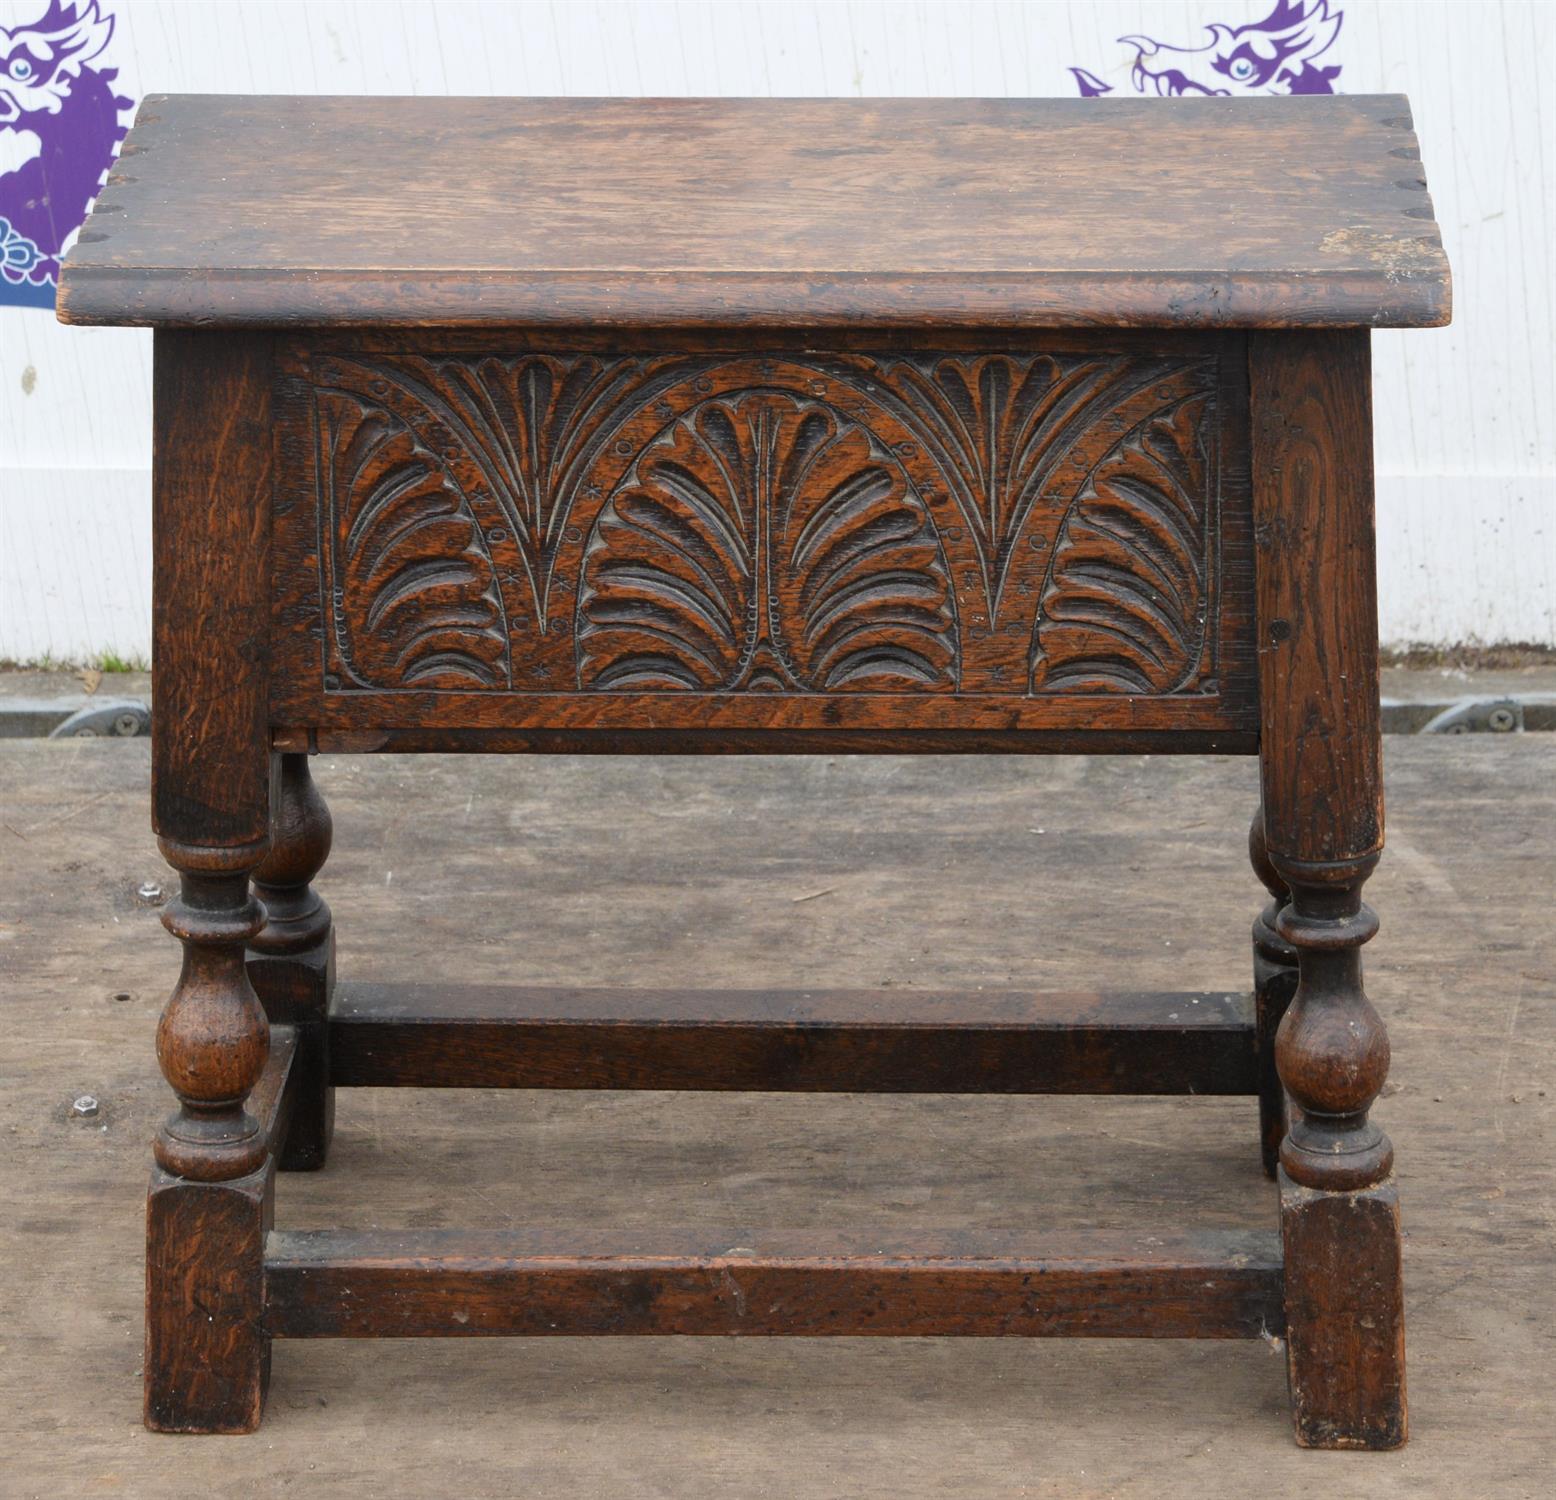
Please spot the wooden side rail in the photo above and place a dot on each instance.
(274, 1098)
(869, 1041)
(387, 1283)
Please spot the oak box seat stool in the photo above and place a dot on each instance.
(694, 426)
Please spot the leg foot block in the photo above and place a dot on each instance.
(207, 1355)
(1345, 1317)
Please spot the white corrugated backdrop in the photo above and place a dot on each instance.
(1466, 418)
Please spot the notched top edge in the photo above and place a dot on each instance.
(1394, 280)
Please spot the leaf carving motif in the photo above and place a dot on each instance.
(1126, 600)
(415, 601)
(763, 542)
(1002, 428)
(530, 423)
(523, 427)
(1014, 524)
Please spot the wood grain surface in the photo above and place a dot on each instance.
(954, 1041)
(206, 1371)
(398, 1284)
(1345, 1309)
(1314, 549)
(1003, 535)
(326, 210)
(274, 1098)
(211, 493)
(291, 959)
(643, 538)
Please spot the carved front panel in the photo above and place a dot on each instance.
(1026, 538)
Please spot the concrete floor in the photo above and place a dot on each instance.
(1116, 872)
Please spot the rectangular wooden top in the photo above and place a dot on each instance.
(268, 211)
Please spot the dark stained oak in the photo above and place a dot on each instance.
(1315, 550)
(407, 1284)
(1345, 1316)
(761, 426)
(291, 959)
(1322, 823)
(875, 1041)
(207, 1356)
(1274, 983)
(209, 1205)
(274, 1100)
(770, 741)
(1321, 753)
(211, 581)
(1015, 539)
(210, 765)
(1271, 212)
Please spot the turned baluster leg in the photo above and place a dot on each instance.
(1339, 1209)
(213, 1039)
(209, 1204)
(1274, 983)
(292, 959)
(1321, 773)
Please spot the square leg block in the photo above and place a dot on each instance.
(207, 1352)
(1345, 1316)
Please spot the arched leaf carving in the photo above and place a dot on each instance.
(415, 602)
(1009, 523)
(763, 542)
(530, 424)
(1126, 601)
(1003, 427)
(521, 430)
(866, 601)
(668, 599)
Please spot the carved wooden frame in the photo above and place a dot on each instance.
(1106, 586)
